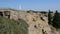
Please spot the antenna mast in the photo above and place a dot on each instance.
(20, 7)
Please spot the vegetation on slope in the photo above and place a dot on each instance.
(56, 20)
(10, 26)
(49, 17)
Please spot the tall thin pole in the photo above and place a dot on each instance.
(20, 7)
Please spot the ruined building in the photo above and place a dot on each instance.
(8, 13)
(5, 13)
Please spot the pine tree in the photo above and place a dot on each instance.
(49, 17)
(56, 20)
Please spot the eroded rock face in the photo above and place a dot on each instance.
(37, 25)
(38, 22)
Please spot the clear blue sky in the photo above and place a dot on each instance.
(31, 4)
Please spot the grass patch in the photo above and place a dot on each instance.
(10, 26)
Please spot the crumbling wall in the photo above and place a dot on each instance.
(5, 13)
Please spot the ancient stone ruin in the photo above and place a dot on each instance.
(5, 14)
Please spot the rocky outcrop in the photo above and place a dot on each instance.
(38, 23)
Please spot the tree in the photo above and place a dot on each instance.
(49, 17)
(56, 20)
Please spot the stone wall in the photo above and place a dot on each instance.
(5, 13)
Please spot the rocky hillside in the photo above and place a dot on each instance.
(37, 21)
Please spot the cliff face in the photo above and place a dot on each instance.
(38, 22)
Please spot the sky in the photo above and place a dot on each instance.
(31, 4)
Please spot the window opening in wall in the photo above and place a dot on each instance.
(1, 13)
